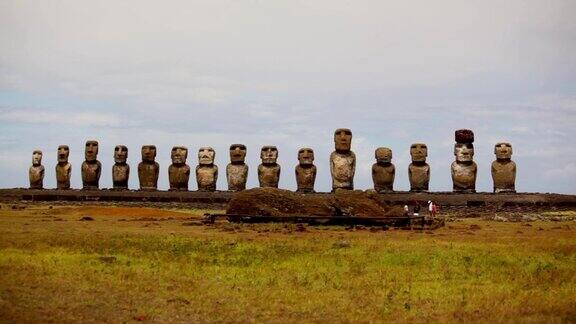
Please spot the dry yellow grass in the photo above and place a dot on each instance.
(161, 265)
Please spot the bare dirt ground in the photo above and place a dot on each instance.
(117, 264)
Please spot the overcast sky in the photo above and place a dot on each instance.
(288, 73)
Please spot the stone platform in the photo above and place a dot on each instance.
(219, 199)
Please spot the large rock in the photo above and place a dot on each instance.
(279, 202)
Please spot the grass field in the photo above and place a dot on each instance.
(134, 264)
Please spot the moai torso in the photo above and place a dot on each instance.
(120, 169)
(206, 171)
(504, 169)
(342, 168)
(383, 171)
(237, 170)
(305, 170)
(464, 169)
(419, 170)
(179, 176)
(120, 174)
(63, 172)
(419, 175)
(269, 169)
(63, 168)
(91, 167)
(464, 176)
(91, 174)
(305, 178)
(206, 177)
(342, 160)
(148, 169)
(383, 177)
(236, 174)
(269, 175)
(148, 175)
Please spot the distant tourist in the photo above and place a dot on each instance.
(406, 210)
(417, 210)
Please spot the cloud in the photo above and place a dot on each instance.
(37, 116)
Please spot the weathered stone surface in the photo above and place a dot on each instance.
(419, 170)
(206, 171)
(342, 160)
(383, 171)
(237, 170)
(120, 169)
(305, 171)
(63, 168)
(36, 171)
(148, 169)
(504, 169)
(179, 171)
(464, 169)
(91, 167)
(269, 170)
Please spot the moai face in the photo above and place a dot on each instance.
(383, 155)
(503, 151)
(63, 153)
(237, 153)
(91, 151)
(148, 153)
(36, 158)
(464, 152)
(269, 154)
(206, 156)
(343, 139)
(179, 154)
(120, 154)
(418, 152)
(306, 156)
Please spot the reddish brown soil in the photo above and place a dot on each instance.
(279, 202)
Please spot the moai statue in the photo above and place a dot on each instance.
(504, 169)
(36, 171)
(342, 160)
(148, 169)
(91, 167)
(206, 171)
(383, 171)
(120, 169)
(305, 171)
(179, 171)
(419, 170)
(269, 170)
(237, 170)
(464, 169)
(63, 168)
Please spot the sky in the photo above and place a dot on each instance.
(288, 73)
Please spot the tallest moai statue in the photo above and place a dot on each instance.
(464, 169)
(342, 160)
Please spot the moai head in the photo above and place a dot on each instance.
(464, 152)
(148, 153)
(418, 152)
(179, 154)
(306, 156)
(503, 151)
(206, 156)
(343, 139)
(120, 154)
(63, 153)
(383, 155)
(36, 158)
(91, 151)
(237, 153)
(269, 154)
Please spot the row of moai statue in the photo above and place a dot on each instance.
(342, 167)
